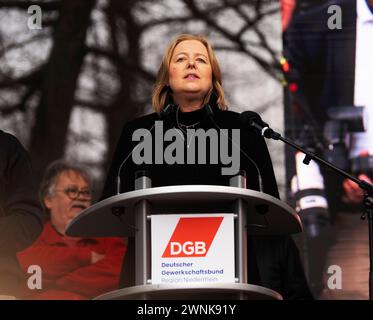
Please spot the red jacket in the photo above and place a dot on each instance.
(67, 269)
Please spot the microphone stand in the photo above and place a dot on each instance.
(365, 186)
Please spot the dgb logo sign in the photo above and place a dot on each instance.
(192, 237)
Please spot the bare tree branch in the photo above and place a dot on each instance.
(121, 62)
(90, 105)
(48, 137)
(17, 45)
(35, 77)
(271, 68)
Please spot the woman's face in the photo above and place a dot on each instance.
(190, 73)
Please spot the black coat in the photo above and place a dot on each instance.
(21, 215)
(251, 143)
(273, 261)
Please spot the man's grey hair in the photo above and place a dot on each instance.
(53, 172)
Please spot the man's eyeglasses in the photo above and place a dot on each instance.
(75, 193)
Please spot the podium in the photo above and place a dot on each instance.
(215, 291)
(130, 214)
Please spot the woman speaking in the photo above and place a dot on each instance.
(192, 138)
(189, 101)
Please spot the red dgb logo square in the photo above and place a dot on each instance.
(192, 237)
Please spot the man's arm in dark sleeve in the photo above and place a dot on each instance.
(22, 217)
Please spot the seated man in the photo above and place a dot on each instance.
(71, 268)
(21, 216)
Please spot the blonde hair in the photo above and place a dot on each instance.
(160, 90)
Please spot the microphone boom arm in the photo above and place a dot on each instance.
(268, 133)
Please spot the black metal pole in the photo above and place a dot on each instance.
(368, 203)
(367, 187)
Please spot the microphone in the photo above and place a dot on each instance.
(169, 104)
(120, 170)
(254, 120)
(166, 111)
(213, 101)
(210, 114)
(312, 204)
